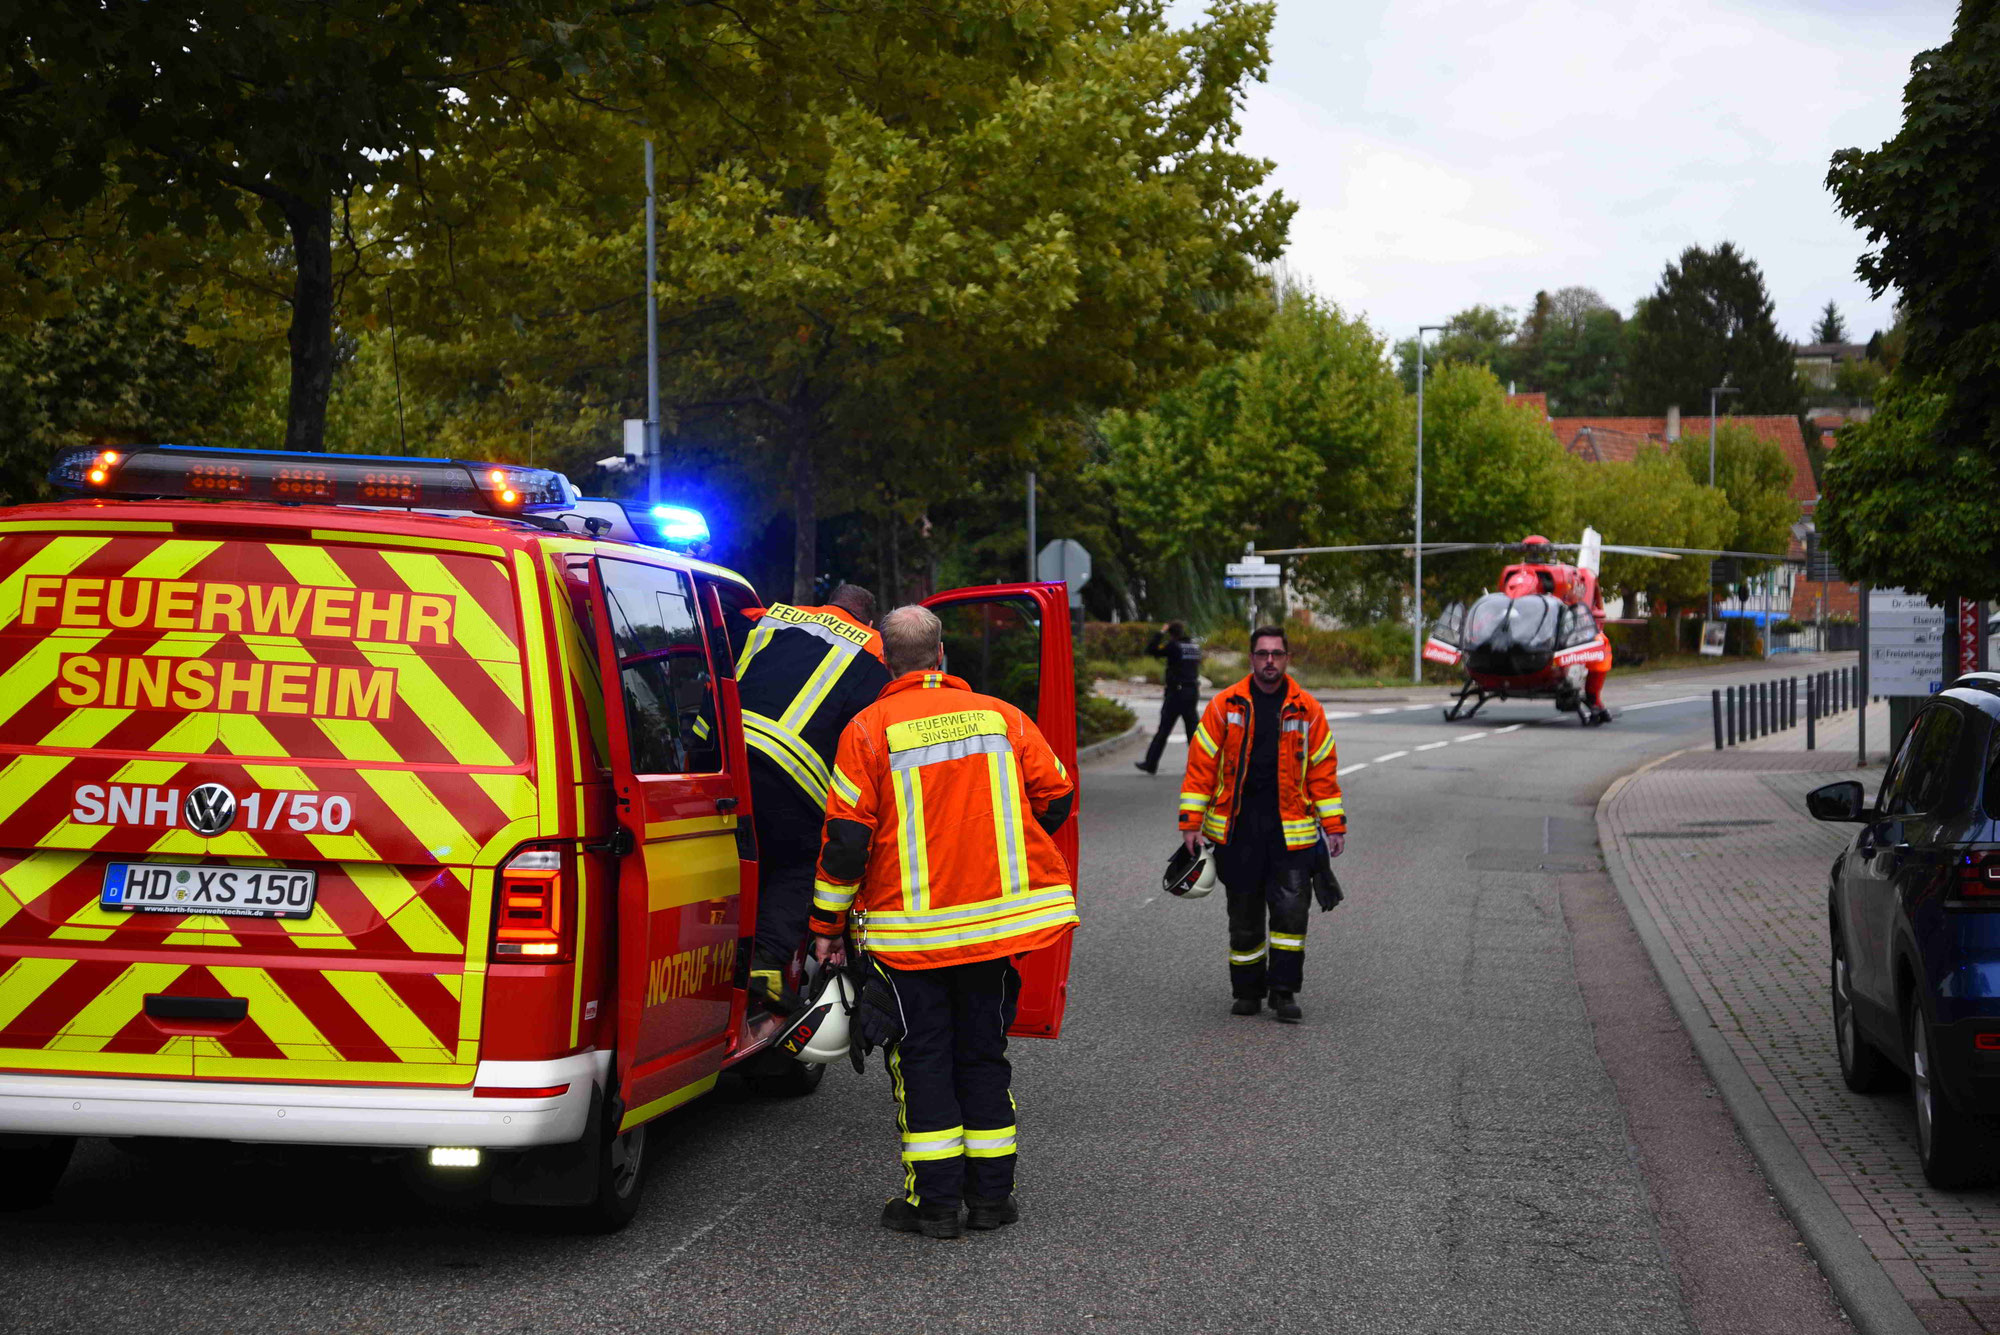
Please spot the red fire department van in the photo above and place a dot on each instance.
(393, 803)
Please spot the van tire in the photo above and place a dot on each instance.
(621, 1173)
(1863, 1066)
(30, 1167)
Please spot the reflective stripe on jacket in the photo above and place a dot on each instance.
(944, 786)
(1308, 787)
(804, 672)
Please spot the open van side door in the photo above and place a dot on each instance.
(680, 884)
(1013, 641)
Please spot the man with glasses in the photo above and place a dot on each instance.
(1261, 786)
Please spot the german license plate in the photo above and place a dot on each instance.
(242, 892)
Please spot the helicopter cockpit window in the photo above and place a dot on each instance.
(1534, 621)
(1449, 628)
(1579, 627)
(1486, 616)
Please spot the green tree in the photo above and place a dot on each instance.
(1651, 501)
(1830, 328)
(1923, 199)
(230, 140)
(1476, 336)
(1754, 477)
(1493, 472)
(1305, 441)
(1709, 322)
(1904, 506)
(892, 244)
(1572, 347)
(1859, 381)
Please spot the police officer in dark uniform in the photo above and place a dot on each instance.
(1183, 698)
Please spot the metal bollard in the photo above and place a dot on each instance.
(1763, 709)
(1729, 711)
(1812, 703)
(1715, 712)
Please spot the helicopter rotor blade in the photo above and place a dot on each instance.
(1429, 548)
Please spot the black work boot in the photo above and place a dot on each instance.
(1144, 768)
(933, 1221)
(983, 1213)
(1247, 1006)
(1284, 1007)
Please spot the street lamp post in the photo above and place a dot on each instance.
(1713, 394)
(1417, 586)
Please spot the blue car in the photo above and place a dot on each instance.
(1914, 908)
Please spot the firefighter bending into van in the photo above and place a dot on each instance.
(803, 674)
(938, 834)
(1261, 787)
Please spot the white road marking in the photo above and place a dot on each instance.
(1409, 709)
(1343, 713)
(1470, 737)
(1655, 704)
(1385, 710)
(1433, 746)
(1147, 900)
(1393, 755)
(1349, 769)
(1512, 727)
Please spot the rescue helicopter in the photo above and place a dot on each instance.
(1540, 634)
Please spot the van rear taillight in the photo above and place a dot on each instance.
(1978, 879)
(531, 920)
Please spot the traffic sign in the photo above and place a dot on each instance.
(1064, 561)
(1250, 566)
(1264, 580)
(1906, 637)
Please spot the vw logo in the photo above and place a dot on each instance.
(210, 809)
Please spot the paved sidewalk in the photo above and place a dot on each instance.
(1718, 849)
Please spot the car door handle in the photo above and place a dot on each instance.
(725, 805)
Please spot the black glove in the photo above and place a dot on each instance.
(1326, 886)
(878, 1019)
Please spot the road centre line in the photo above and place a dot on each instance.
(1512, 727)
(1386, 709)
(1470, 737)
(1434, 746)
(1409, 709)
(1393, 755)
(1349, 769)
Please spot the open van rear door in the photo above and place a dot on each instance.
(1013, 641)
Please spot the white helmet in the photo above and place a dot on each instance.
(1190, 875)
(818, 1030)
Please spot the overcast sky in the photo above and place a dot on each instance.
(1451, 153)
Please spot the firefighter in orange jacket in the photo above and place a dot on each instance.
(938, 836)
(1261, 786)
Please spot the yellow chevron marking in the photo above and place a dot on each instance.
(400, 905)
(278, 648)
(397, 540)
(542, 720)
(83, 729)
(648, 1111)
(358, 739)
(34, 671)
(190, 737)
(426, 696)
(282, 777)
(300, 1071)
(113, 1008)
(86, 526)
(69, 835)
(311, 565)
(150, 772)
(388, 1015)
(25, 777)
(57, 557)
(30, 878)
(475, 630)
(514, 794)
(172, 559)
(275, 1012)
(418, 807)
(173, 1060)
(451, 983)
(26, 980)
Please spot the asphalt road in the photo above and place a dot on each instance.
(1488, 1122)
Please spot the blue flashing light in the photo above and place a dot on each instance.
(679, 526)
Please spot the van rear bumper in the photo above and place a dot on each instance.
(374, 1115)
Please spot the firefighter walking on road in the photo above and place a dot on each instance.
(938, 837)
(1261, 786)
(803, 673)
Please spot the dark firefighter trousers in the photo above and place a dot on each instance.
(1269, 889)
(951, 1078)
(788, 827)
(1182, 705)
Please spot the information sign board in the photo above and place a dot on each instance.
(1906, 637)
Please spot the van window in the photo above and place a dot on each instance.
(1922, 784)
(670, 716)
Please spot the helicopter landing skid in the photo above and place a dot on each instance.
(1457, 710)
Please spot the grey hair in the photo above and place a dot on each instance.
(910, 639)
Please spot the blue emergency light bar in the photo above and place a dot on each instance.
(679, 526)
(186, 472)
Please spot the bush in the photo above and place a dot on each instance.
(1099, 719)
(1117, 639)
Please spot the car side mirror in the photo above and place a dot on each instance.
(1844, 801)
